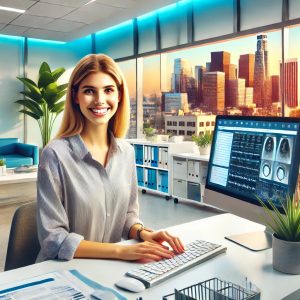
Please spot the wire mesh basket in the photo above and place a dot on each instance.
(215, 289)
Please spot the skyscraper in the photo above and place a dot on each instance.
(275, 88)
(237, 92)
(220, 62)
(291, 82)
(199, 71)
(183, 80)
(246, 68)
(261, 85)
(214, 91)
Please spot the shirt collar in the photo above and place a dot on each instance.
(79, 148)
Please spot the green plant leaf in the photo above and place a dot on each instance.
(56, 98)
(51, 88)
(31, 85)
(44, 68)
(45, 79)
(29, 113)
(33, 106)
(57, 73)
(33, 96)
(62, 87)
(58, 107)
(286, 226)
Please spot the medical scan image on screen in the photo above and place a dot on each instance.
(255, 158)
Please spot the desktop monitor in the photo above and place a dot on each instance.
(250, 157)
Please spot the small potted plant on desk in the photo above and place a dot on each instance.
(2, 167)
(286, 236)
(203, 141)
(149, 133)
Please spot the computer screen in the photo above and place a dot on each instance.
(252, 157)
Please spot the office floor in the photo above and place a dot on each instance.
(155, 212)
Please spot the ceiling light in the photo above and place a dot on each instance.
(21, 11)
(91, 1)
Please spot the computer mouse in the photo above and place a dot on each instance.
(130, 284)
(104, 295)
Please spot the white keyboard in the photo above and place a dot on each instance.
(195, 253)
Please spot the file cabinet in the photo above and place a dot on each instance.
(189, 176)
(153, 164)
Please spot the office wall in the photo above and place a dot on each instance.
(56, 55)
(11, 121)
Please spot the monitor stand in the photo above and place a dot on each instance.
(255, 241)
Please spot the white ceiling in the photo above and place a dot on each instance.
(65, 20)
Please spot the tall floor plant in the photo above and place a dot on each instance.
(42, 100)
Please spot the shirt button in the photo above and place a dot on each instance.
(108, 215)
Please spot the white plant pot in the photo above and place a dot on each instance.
(286, 256)
(2, 170)
(204, 150)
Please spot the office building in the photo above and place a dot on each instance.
(189, 124)
(237, 92)
(275, 88)
(173, 102)
(220, 61)
(246, 68)
(291, 82)
(199, 71)
(214, 92)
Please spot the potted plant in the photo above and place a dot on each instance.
(2, 167)
(286, 233)
(42, 100)
(149, 133)
(203, 141)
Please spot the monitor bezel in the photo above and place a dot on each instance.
(250, 200)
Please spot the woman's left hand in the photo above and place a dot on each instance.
(158, 237)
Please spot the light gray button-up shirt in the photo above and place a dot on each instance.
(77, 198)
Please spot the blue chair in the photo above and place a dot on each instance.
(17, 154)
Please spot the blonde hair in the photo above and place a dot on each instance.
(73, 119)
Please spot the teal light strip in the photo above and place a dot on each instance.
(45, 41)
(124, 24)
(11, 37)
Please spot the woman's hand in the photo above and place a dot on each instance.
(144, 250)
(158, 237)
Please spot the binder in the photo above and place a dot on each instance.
(146, 155)
(154, 156)
(160, 164)
(165, 158)
(140, 176)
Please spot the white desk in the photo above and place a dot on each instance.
(237, 263)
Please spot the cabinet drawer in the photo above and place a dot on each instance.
(193, 171)
(179, 188)
(179, 168)
(203, 171)
(193, 191)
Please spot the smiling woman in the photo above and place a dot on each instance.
(87, 185)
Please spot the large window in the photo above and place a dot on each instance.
(129, 70)
(239, 76)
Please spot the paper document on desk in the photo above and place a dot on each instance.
(57, 285)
